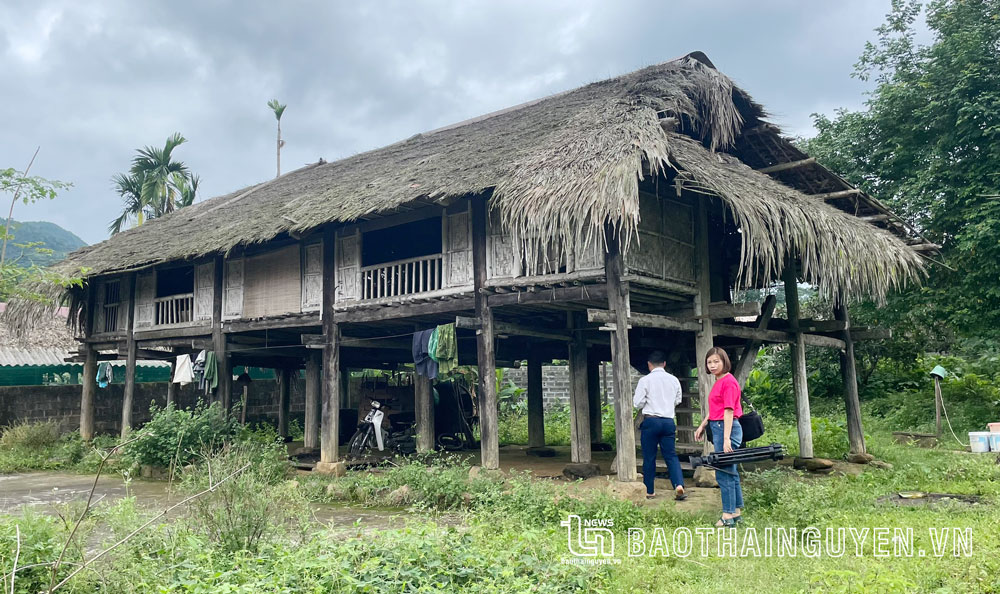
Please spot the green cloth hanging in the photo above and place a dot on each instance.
(445, 350)
(211, 371)
(432, 344)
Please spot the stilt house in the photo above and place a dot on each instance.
(593, 225)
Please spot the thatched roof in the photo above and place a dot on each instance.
(558, 169)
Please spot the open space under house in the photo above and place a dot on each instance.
(593, 225)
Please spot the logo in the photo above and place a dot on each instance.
(589, 538)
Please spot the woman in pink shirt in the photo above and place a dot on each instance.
(724, 412)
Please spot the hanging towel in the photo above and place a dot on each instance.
(183, 375)
(432, 343)
(421, 356)
(211, 372)
(104, 374)
(198, 368)
(445, 350)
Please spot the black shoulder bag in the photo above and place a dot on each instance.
(751, 423)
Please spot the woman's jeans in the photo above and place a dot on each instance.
(729, 484)
(662, 432)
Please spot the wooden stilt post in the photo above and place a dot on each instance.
(703, 338)
(424, 412)
(89, 382)
(579, 397)
(171, 386)
(800, 383)
(130, 358)
(284, 380)
(486, 356)
(313, 401)
(618, 304)
(594, 397)
(224, 393)
(332, 386)
(536, 403)
(848, 370)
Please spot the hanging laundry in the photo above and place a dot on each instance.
(183, 374)
(198, 368)
(445, 350)
(104, 374)
(425, 365)
(211, 372)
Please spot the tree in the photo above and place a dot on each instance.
(154, 186)
(28, 189)
(278, 110)
(926, 144)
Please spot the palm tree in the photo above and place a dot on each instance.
(278, 109)
(159, 172)
(129, 187)
(154, 186)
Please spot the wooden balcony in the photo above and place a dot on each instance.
(403, 277)
(173, 310)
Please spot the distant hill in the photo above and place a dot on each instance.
(52, 236)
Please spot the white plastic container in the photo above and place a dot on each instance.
(995, 442)
(979, 441)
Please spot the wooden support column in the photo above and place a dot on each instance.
(536, 403)
(313, 400)
(579, 396)
(741, 370)
(423, 409)
(89, 384)
(618, 304)
(284, 380)
(594, 397)
(130, 357)
(332, 386)
(171, 386)
(485, 354)
(224, 392)
(848, 370)
(703, 339)
(800, 383)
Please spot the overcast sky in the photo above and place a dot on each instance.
(92, 81)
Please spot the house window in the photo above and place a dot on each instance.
(402, 242)
(112, 300)
(402, 260)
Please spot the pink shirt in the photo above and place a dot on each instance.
(725, 394)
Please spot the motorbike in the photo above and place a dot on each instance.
(376, 433)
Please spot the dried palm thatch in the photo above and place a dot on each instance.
(559, 170)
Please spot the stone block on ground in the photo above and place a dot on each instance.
(880, 464)
(332, 468)
(813, 464)
(581, 471)
(860, 458)
(541, 452)
(705, 477)
(633, 491)
(400, 496)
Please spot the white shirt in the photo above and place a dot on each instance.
(658, 394)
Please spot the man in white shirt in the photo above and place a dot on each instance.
(658, 395)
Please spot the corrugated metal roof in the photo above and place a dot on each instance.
(18, 357)
(40, 356)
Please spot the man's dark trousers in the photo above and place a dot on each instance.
(658, 431)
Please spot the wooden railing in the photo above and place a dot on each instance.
(403, 277)
(175, 309)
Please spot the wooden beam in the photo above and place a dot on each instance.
(194, 344)
(485, 354)
(718, 311)
(925, 247)
(131, 349)
(638, 320)
(510, 329)
(788, 165)
(423, 410)
(300, 321)
(579, 398)
(332, 386)
(536, 406)
(594, 397)
(704, 335)
(171, 386)
(359, 315)
(849, 374)
(618, 304)
(741, 371)
(284, 388)
(837, 195)
(879, 218)
(663, 285)
(800, 380)
(558, 295)
(168, 333)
